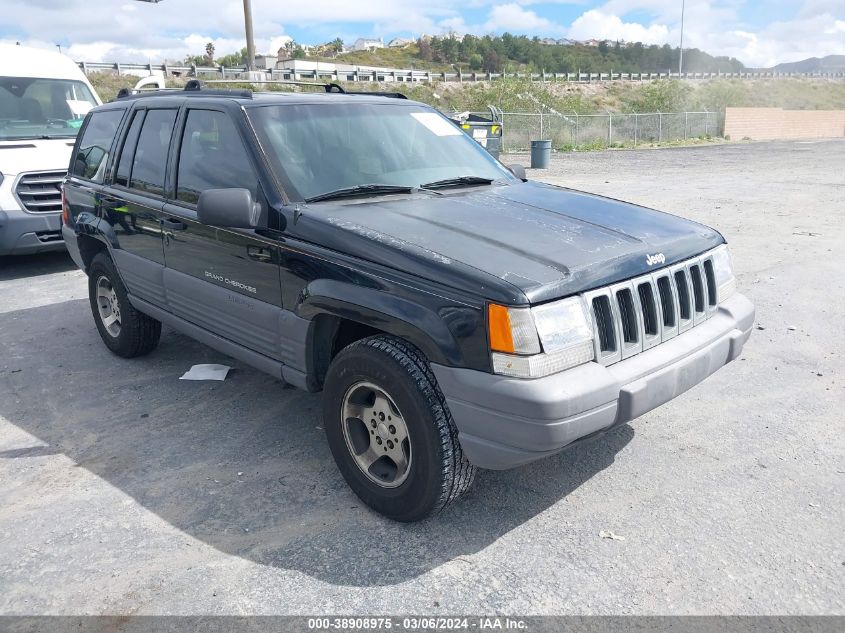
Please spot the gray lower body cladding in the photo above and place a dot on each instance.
(506, 422)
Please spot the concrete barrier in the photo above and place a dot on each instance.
(763, 124)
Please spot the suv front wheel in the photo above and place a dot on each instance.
(390, 431)
(124, 330)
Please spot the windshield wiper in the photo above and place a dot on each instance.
(361, 190)
(456, 182)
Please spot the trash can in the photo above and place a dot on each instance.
(541, 153)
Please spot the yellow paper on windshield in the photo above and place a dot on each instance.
(436, 123)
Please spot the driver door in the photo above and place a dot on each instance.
(222, 279)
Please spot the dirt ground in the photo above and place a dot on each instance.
(126, 491)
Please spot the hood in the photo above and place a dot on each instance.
(518, 243)
(34, 155)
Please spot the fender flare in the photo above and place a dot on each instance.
(87, 225)
(395, 315)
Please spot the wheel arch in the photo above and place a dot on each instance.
(343, 313)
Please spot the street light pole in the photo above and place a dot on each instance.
(250, 43)
(681, 61)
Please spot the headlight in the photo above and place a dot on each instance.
(723, 273)
(562, 327)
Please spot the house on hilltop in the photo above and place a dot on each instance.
(399, 42)
(367, 44)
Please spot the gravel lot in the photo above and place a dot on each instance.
(126, 491)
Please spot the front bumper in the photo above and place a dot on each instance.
(505, 422)
(23, 233)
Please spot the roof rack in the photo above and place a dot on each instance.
(192, 87)
(197, 87)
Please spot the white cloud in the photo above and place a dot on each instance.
(603, 26)
(838, 26)
(513, 18)
(120, 30)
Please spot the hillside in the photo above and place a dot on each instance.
(829, 64)
(510, 53)
(566, 97)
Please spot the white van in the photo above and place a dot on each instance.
(44, 97)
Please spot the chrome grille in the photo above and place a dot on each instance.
(635, 315)
(40, 192)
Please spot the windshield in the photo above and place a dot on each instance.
(32, 107)
(321, 148)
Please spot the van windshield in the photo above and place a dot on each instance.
(35, 107)
(317, 149)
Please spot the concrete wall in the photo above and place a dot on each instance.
(776, 123)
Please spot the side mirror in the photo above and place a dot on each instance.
(518, 171)
(232, 208)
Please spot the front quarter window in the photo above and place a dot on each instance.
(35, 107)
(90, 158)
(317, 148)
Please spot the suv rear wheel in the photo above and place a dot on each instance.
(390, 431)
(124, 330)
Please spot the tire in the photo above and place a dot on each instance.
(435, 471)
(133, 333)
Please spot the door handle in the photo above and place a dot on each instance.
(173, 224)
(258, 253)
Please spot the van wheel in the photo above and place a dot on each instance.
(124, 330)
(390, 431)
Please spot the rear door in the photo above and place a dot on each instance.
(224, 280)
(91, 157)
(133, 205)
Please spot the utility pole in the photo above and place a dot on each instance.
(681, 61)
(250, 43)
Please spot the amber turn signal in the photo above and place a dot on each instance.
(499, 325)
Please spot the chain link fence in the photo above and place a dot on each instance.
(569, 131)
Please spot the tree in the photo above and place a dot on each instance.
(336, 45)
(449, 49)
(604, 48)
(234, 59)
(425, 50)
(476, 61)
(492, 62)
(209, 53)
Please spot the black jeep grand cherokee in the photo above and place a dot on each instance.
(454, 315)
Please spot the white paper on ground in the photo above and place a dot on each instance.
(206, 372)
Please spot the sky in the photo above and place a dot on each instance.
(760, 33)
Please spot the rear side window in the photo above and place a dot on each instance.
(124, 163)
(92, 151)
(150, 163)
(212, 156)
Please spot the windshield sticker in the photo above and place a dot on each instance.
(79, 107)
(436, 123)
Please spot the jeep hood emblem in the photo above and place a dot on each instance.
(657, 258)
